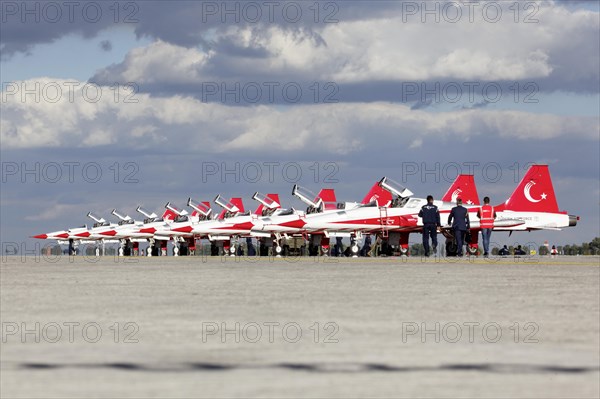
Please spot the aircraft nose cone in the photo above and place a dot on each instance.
(41, 236)
(84, 234)
(63, 235)
(150, 230)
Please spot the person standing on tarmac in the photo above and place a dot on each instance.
(459, 219)
(486, 215)
(431, 224)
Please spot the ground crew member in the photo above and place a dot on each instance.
(431, 223)
(486, 215)
(459, 219)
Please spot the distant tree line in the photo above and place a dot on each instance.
(585, 248)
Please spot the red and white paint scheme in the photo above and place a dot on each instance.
(388, 210)
(398, 219)
(233, 222)
(534, 203)
(293, 222)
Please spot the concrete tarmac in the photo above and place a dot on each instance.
(233, 327)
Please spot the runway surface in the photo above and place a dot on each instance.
(224, 327)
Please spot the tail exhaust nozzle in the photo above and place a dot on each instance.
(573, 220)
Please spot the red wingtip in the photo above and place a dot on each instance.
(41, 236)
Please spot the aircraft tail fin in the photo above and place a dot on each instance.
(169, 215)
(238, 203)
(534, 193)
(327, 195)
(464, 188)
(377, 193)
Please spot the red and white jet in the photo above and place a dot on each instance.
(395, 220)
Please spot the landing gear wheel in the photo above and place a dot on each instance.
(451, 248)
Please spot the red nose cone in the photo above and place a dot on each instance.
(110, 233)
(63, 235)
(295, 224)
(185, 229)
(41, 236)
(84, 234)
(149, 230)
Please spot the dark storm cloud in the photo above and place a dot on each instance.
(27, 23)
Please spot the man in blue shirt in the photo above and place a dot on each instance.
(431, 223)
(459, 219)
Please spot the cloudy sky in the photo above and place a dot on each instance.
(113, 105)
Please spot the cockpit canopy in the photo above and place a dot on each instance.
(395, 188)
(307, 196)
(200, 207)
(173, 208)
(227, 205)
(285, 212)
(268, 202)
(149, 215)
(181, 218)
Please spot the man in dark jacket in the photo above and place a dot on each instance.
(459, 219)
(431, 222)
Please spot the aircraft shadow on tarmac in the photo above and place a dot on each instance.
(503, 368)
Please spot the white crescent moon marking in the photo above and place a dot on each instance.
(528, 194)
(455, 194)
